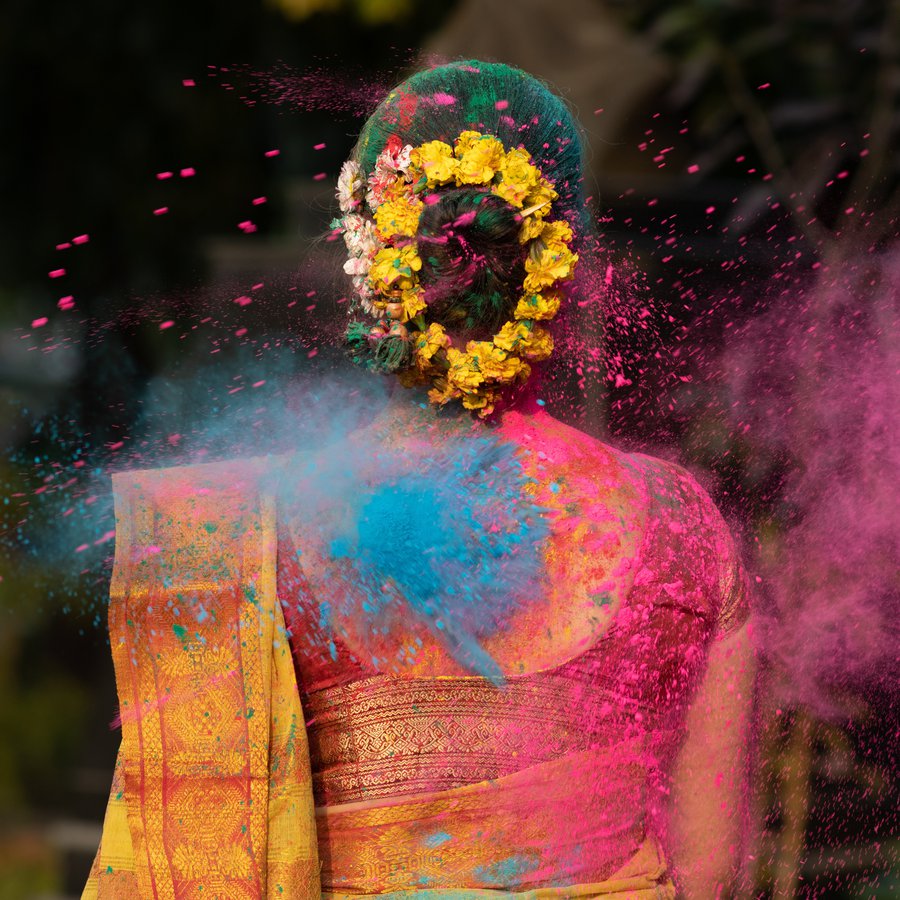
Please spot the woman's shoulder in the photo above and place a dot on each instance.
(596, 464)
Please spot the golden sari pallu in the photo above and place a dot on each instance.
(212, 796)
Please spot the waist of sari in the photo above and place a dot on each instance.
(574, 820)
(642, 877)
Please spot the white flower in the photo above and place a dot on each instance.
(389, 164)
(357, 265)
(379, 182)
(365, 293)
(393, 160)
(360, 236)
(350, 186)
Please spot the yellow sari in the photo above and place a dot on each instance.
(212, 793)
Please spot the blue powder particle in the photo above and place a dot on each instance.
(436, 839)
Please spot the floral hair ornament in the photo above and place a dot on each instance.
(379, 224)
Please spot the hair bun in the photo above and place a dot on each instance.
(472, 259)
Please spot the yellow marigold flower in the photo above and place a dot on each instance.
(442, 392)
(531, 228)
(541, 193)
(413, 304)
(483, 402)
(511, 336)
(463, 374)
(398, 217)
(540, 346)
(465, 142)
(532, 343)
(548, 267)
(394, 269)
(436, 161)
(538, 306)
(556, 235)
(480, 161)
(518, 177)
(429, 342)
(495, 364)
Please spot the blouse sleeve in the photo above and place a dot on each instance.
(687, 527)
(730, 590)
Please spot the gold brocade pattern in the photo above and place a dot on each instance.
(214, 793)
(394, 736)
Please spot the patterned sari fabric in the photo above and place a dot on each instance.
(423, 778)
(211, 796)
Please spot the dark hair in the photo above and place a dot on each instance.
(473, 262)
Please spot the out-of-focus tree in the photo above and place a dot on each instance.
(370, 12)
(804, 94)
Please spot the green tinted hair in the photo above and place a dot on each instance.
(520, 110)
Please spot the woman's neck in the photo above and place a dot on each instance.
(409, 410)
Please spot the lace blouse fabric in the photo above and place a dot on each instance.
(546, 779)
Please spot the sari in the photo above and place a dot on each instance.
(244, 772)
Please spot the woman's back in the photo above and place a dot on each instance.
(545, 762)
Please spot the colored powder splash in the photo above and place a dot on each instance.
(459, 539)
(819, 386)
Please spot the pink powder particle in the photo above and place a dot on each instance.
(188, 82)
(67, 302)
(764, 87)
(258, 201)
(710, 210)
(243, 301)
(188, 172)
(81, 548)
(161, 211)
(693, 168)
(39, 323)
(240, 332)
(443, 99)
(272, 152)
(259, 383)
(319, 176)
(319, 146)
(501, 104)
(312, 353)
(162, 176)
(64, 246)
(57, 273)
(167, 324)
(247, 226)
(81, 238)
(258, 285)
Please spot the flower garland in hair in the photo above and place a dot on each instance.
(384, 264)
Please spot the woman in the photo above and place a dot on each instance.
(468, 650)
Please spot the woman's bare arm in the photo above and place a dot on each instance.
(710, 776)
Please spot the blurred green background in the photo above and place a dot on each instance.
(743, 157)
